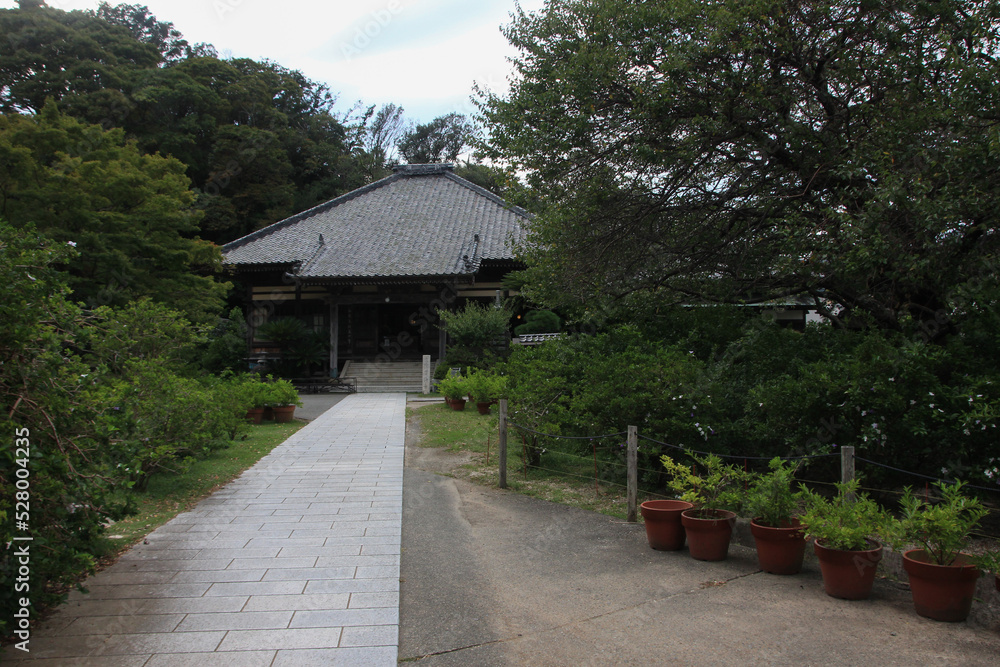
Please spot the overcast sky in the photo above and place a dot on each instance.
(421, 54)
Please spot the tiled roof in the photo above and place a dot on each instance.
(422, 221)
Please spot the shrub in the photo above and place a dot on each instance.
(453, 387)
(771, 496)
(227, 344)
(710, 484)
(47, 394)
(477, 333)
(846, 521)
(941, 528)
(152, 419)
(539, 321)
(484, 387)
(280, 392)
(583, 385)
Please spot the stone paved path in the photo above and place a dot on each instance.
(294, 563)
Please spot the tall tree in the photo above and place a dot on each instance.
(145, 28)
(50, 54)
(846, 150)
(441, 140)
(260, 141)
(129, 215)
(376, 134)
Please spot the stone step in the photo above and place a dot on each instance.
(385, 377)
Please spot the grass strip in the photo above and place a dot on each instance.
(169, 494)
(564, 477)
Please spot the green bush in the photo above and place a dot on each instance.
(97, 402)
(48, 408)
(226, 349)
(485, 387)
(280, 392)
(477, 334)
(539, 321)
(153, 419)
(583, 385)
(453, 387)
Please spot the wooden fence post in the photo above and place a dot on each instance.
(503, 443)
(847, 465)
(633, 473)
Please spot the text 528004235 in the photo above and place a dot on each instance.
(20, 542)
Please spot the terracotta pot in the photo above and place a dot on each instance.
(662, 519)
(779, 550)
(283, 413)
(708, 533)
(848, 575)
(268, 413)
(484, 408)
(457, 403)
(941, 592)
(255, 415)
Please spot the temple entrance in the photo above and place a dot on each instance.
(396, 331)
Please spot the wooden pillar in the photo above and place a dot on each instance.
(847, 466)
(503, 443)
(633, 473)
(334, 338)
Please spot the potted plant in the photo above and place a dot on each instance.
(255, 393)
(843, 527)
(485, 389)
(772, 503)
(282, 398)
(942, 578)
(713, 488)
(454, 390)
(478, 384)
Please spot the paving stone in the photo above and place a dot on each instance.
(255, 563)
(220, 576)
(311, 573)
(254, 640)
(242, 620)
(345, 617)
(381, 599)
(233, 659)
(370, 635)
(256, 588)
(123, 624)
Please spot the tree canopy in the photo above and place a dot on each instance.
(441, 140)
(259, 141)
(129, 215)
(845, 150)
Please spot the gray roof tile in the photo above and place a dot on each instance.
(421, 221)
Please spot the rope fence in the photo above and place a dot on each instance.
(847, 457)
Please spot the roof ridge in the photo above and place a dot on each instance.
(308, 213)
